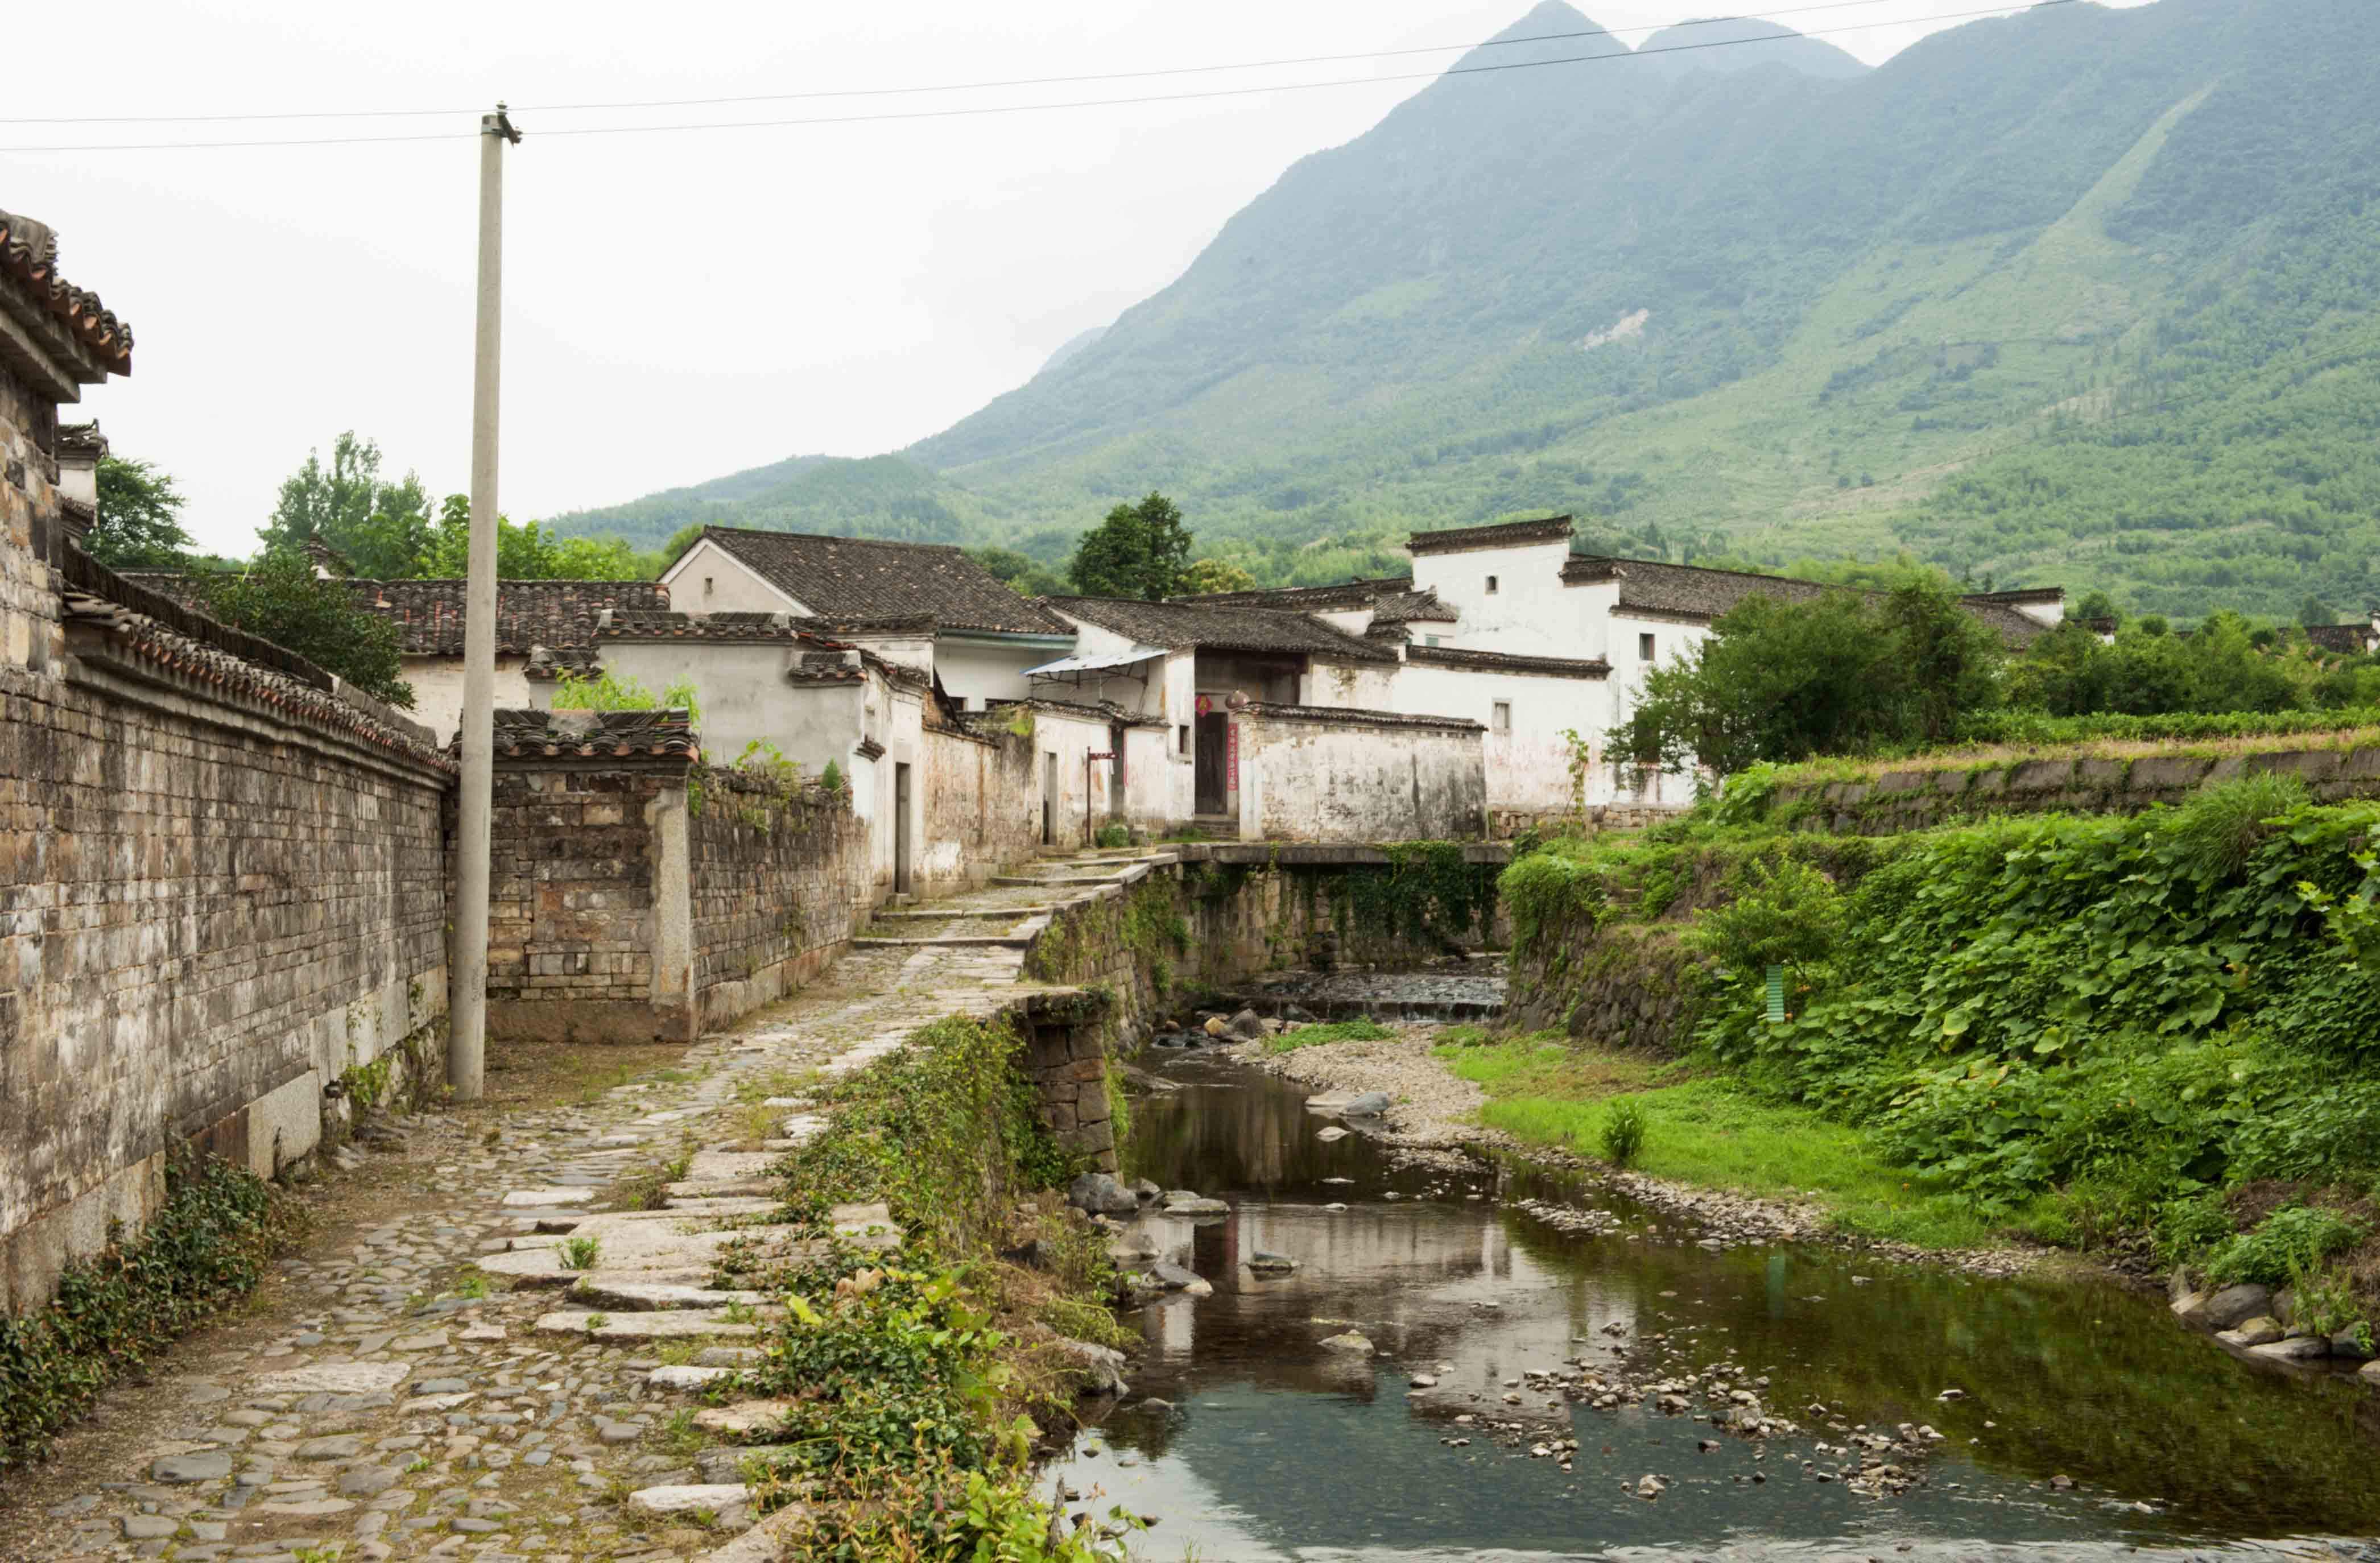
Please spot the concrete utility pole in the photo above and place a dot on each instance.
(466, 1004)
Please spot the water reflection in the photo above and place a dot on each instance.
(1275, 1446)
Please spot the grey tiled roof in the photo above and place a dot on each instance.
(555, 614)
(860, 578)
(1508, 661)
(590, 734)
(29, 257)
(1392, 599)
(2347, 638)
(1689, 591)
(1181, 625)
(1359, 716)
(646, 624)
(1503, 534)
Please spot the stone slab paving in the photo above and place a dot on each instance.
(379, 1404)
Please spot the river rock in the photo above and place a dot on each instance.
(1190, 1202)
(2234, 1306)
(2296, 1348)
(1247, 1025)
(1216, 1026)
(1333, 1133)
(2190, 1306)
(179, 1469)
(2348, 1343)
(2370, 1371)
(1173, 1278)
(1371, 1104)
(1269, 1263)
(1146, 1191)
(1103, 1366)
(1099, 1194)
(1349, 1341)
(2258, 1331)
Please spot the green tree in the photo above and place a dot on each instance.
(383, 530)
(279, 598)
(2096, 604)
(526, 551)
(1847, 672)
(2315, 610)
(1021, 572)
(139, 525)
(1139, 551)
(1206, 577)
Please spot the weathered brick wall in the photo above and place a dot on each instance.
(982, 808)
(777, 883)
(216, 907)
(28, 519)
(573, 867)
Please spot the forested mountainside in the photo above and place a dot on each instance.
(2077, 295)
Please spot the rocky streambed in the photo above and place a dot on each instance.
(1361, 1342)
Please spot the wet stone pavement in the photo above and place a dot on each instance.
(380, 1401)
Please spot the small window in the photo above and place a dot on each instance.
(707, 584)
(1491, 585)
(1503, 718)
(1182, 740)
(1429, 640)
(1644, 648)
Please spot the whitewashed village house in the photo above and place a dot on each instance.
(1470, 697)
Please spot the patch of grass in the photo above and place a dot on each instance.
(1326, 1033)
(1698, 1129)
(1623, 1132)
(580, 1253)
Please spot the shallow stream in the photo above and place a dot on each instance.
(1272, 1446)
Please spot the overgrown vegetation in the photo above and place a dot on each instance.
(208, 1244)
(1326, 1032)
(608, 691)
(2089, 1029)
(915, 1375)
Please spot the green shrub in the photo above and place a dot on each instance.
(1322, 1035)
(1114, 833)
(1623, 1135)
(207, 1244)
(2296, 1238)
(2217, 831)
(1784, 913)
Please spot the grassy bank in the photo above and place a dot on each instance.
(920, 1381)
(2157, 1035)
(1701, 1129)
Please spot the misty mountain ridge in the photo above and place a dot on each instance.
(2077, 294)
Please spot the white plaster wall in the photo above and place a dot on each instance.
(1149, 777)
(733, 586)
(1530, 610)
(897, 721)
(977, 671)
(1528, 768)
(438, 690)
(1370, 687)
(1353, 781)
(1672, 641)
(743, 693)
(1070, 738)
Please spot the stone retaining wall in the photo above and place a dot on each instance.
(1916, 797)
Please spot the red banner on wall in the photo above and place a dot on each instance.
(1232, 763)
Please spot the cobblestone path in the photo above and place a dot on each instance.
(379, 1400)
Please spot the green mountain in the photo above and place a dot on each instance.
(2076, 294)
(882, 496)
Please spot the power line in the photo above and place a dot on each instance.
(2027, 5)
(947, 87)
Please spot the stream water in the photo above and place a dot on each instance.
(1249, 1439)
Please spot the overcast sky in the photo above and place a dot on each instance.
(678, 304)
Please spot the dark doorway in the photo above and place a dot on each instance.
(1116, 809)
(900, 829)
(1214, 736)
(1049, 800)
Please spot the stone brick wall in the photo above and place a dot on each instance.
(28, 521)
(1916, 797)
(572, 912)
(1066, 1051)
(222, 891)
(777, 885)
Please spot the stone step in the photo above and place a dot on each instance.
(767, 1542)
(711, 1495)
(717, 1188)
(932, 914)
(968, 941)
(646, 1327)
(744, 1416)
(1058, 880)
(684, 1377)
(735, 1462)
(527, 1198)
(644, 1296)
(734, 1164)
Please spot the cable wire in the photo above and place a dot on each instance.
(975, 111)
